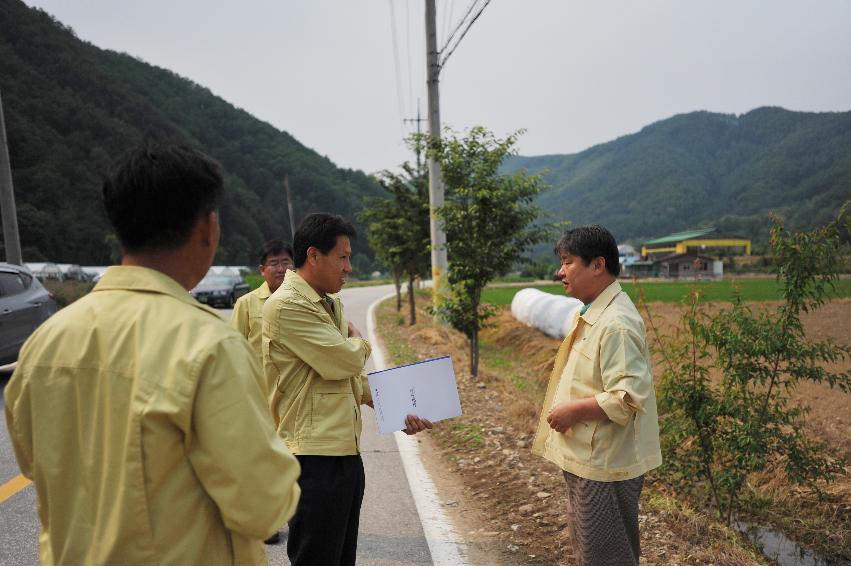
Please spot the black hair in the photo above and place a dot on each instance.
(154, 195)
(275, 247)
(319, 230)
(589, 242)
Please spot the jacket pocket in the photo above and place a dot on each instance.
(332, 415)
(582, 443)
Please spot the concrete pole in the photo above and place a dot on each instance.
(435, 181)
(290, 207)
(11, 239)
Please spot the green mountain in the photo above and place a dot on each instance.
(71, 108)
(704, 169)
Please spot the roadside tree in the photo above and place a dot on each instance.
(398, 228)
(489, 220)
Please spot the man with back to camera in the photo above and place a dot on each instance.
(276, 258)
(136, 411)
(316, 359)
(599, 422)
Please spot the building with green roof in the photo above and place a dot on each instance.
(703, 241)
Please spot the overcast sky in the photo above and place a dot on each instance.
(573, 74)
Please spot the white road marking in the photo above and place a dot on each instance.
(444, 544)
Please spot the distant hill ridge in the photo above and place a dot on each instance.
(705, 169)
(71, 108)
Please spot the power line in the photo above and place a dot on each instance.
(460, 23)
(410, 64)
(396, 66)
(466, 29)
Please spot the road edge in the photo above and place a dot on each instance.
(444, 544)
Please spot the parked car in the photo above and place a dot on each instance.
(220, 290)
(45, 270)
(24, 304)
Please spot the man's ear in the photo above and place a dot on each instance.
(208, 228)
(311, 255)
(600, 263)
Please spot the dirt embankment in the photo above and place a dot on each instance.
(510, 503)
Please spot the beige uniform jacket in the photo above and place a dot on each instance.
(136, 412)
(247, 316)
(247, 319)
(317, 370)
(605, 356)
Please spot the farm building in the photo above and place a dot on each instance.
(706, 240)
(676, 266)
(689, 266)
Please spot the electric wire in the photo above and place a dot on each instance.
(442, 62)
(410, 101)
(397, 68)
(460, 23)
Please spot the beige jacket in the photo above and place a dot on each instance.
(605, 356)
(247, 319)
(318, 371)
(136, 412)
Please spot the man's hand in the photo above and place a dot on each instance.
(353, 331)
(563, 416)
(414, 424)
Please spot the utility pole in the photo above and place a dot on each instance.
(11, 239)
(418, 120)
(290, 207)
(435, 182)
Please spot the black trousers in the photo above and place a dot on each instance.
(324, 529)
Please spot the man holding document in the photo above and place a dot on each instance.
(316, 360)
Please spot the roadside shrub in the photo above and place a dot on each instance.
(717, 430)
(66, 292)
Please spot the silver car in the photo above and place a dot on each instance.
(24, 304)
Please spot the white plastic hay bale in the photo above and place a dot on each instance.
(521, 303)
(551, 314)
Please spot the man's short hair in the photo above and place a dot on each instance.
(319, 230)
(274, 247)
(154, 195)
(589, 242)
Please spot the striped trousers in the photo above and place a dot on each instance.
(602, 519)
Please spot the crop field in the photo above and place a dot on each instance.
(678, 292)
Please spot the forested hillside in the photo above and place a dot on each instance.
(705, 169)
(71, 108)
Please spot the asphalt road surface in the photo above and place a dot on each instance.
(390, 529)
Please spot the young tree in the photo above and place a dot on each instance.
(398, 228)
(717, 431)
(489, 220)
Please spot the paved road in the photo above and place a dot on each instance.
(390, 533)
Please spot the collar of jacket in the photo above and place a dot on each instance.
(263, 291)
(599, 304)
(297, 283)
(143, 279)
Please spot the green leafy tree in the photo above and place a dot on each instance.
(717, 430)
(398, 227)
(489, 220)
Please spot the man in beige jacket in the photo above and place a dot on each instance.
(599, 422)
(136, 411)
(316, 358)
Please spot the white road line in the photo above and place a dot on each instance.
(444, 544)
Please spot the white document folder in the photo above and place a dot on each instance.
(426, 389)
